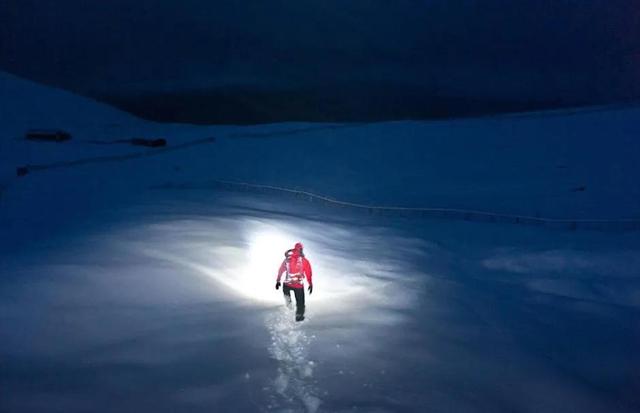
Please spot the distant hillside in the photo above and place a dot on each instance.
(343, 103)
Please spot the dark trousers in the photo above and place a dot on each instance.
(299, 293)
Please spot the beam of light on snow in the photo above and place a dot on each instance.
(248, 271)
(361, 277)
(351, 268)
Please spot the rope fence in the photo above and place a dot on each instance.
(419, 212)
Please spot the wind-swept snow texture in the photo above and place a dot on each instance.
(134, 284)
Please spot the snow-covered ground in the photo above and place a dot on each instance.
(135, 284)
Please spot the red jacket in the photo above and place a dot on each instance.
(295, 268)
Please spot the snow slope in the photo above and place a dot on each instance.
(580, 165)
(136, 285)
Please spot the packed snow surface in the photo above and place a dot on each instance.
(130, 282)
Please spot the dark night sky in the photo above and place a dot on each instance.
(253, 61)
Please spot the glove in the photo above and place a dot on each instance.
(277, 285)
(310, 289)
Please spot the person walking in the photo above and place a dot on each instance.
(296, 268)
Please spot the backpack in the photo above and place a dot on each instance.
(293, 277)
